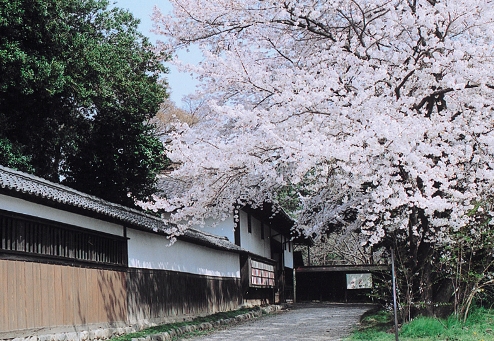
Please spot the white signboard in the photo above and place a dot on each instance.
(358, 281)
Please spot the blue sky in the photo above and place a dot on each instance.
(181, 84)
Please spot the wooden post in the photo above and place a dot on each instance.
(308, 255)
(294, 285)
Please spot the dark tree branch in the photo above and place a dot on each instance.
(405, 79)
(433, 98)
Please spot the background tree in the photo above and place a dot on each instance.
(170, 115)
(380, 111)
(79, 83)
(341, 248)
(11, 156)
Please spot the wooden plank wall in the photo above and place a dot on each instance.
(35, 295)
(38, 295)
(155, 294)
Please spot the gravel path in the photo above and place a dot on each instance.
(303, 321)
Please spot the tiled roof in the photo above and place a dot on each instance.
(37, 187)
(23, 184)
(201, 237)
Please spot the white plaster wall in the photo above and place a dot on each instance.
(152, 251)
(289, 255)
(249, 241)
(16, 205)
(287, 251)
(223, 228)
(252, 241)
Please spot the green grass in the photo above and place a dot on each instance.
(379, 327)
(421, 327)
(172, 326)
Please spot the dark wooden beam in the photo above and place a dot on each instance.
(344, 268)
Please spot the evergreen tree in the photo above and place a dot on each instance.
(79, 82)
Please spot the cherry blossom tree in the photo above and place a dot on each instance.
(378, 113)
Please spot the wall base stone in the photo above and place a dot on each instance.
(101, 334)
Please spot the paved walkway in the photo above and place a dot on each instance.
(305, 321)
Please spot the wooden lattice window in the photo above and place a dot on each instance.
(24, 235)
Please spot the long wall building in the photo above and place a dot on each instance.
(73, 263)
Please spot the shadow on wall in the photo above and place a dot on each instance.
(112, 295)
(38, 295)
(161, 294)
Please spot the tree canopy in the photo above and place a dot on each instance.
(378, 113)
(79, 84)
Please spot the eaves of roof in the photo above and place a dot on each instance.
(210, 240)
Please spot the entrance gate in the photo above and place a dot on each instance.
(337, 283)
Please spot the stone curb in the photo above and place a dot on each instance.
(108, 333)
(168, 336)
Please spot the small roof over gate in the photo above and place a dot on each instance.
(344, 268)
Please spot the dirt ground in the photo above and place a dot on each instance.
(301, 321)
